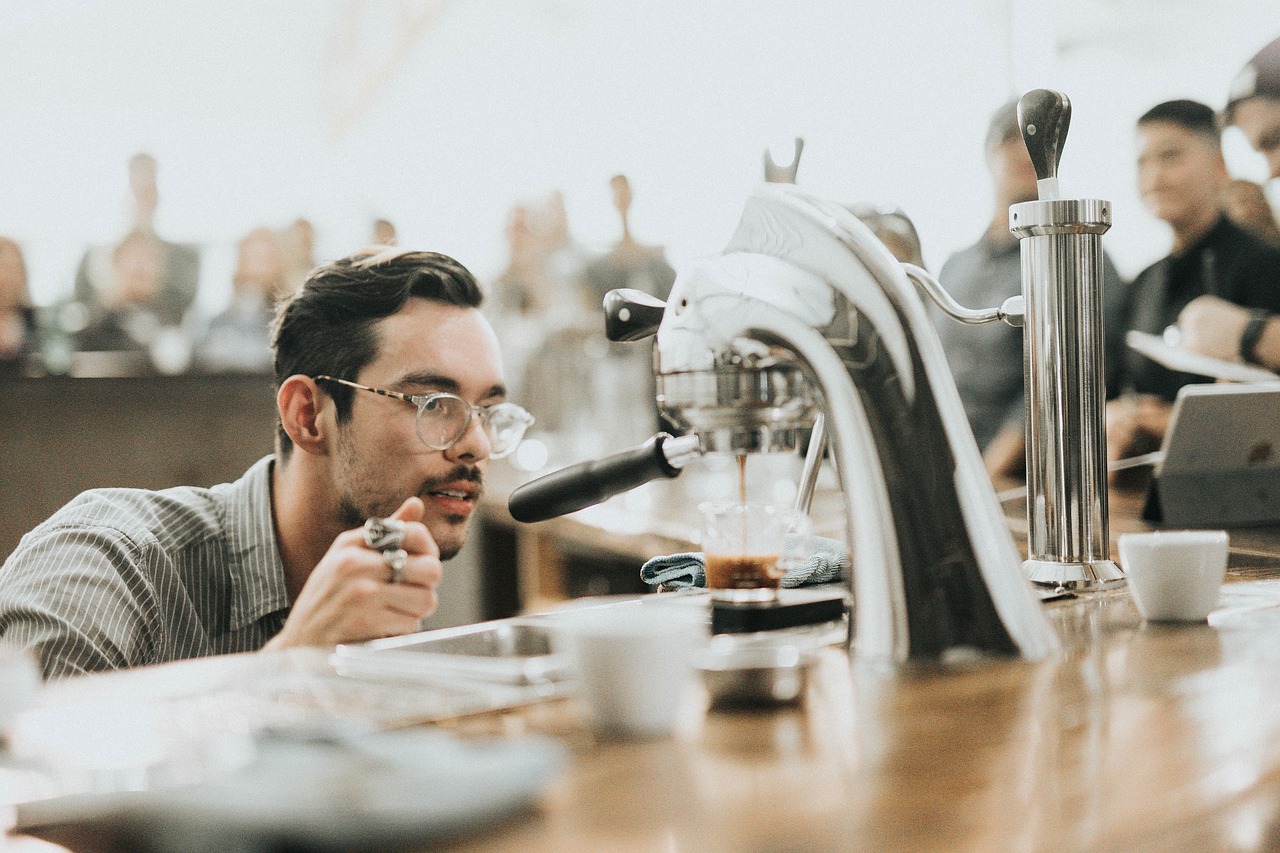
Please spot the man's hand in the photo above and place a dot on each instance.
(1212, 326)
(1135, 424)
(349, 595)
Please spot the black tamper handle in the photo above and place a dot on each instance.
(1044, 116)
(589, 483)
(630, 314)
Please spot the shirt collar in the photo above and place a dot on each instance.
(253, 555)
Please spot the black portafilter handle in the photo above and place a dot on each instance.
(1044, 116)
(589, 483)
(631, 315)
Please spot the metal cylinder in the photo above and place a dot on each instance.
(1067, 537)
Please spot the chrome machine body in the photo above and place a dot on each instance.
(806, 312)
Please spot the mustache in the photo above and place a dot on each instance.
(465, 473)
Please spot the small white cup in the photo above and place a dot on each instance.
(1175, 575)
(634, 664)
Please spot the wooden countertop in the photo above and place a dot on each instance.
(1138, 737)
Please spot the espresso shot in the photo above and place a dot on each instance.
(743, 571)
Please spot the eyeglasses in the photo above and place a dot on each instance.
(444, 418)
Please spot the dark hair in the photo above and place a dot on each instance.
(1192, 116)
(1003, 126)
(327, 326)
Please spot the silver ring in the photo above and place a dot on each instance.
(383, 534)
(395, 560)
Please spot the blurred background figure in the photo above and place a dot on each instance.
(1182, 177)
(629, 263)
(622, 388)
(524, 288)
(987, 360)
(126, 316)
(536, 309)
(384, 233)
(18, 338)
(239, 338)
(178, 266)
(894, 228)
(298, 245)
(1245, 203)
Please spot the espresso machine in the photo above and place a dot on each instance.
(806, 318)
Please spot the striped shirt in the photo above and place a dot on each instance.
(126, 577)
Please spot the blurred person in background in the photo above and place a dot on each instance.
(298, 245)
(127, 317)
(239, 338)
(598, 394)
(18, 328)
(629, 263)
(1182, 176)
(987, 360)
(384, 233)
(1214, 326)
(179, 265)
(1245, 203)
(390, 400)
(535, 299)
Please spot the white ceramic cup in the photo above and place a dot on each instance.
(1175, 574)
(634, 664)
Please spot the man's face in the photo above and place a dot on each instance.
(426, 347)
(1180, 173)
(1012, 171)
(1259, 118)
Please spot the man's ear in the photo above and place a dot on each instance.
(306, 413)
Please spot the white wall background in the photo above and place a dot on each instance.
(500, 100)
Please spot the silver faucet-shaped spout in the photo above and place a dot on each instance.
(805, 290)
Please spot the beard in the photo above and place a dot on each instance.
(360, 499)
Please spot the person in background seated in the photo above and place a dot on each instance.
(1181, 177)
(1245, 203)
(239, 338)
(987, 360)
(1214, 326)
(391, 403)
(178, 264)
(127, 319)
(18, 330)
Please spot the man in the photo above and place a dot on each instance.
(1181, 177)
(179, 265)
(1215, 326)
(987, 360)
(391, 403)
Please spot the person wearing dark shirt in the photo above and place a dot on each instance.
(1181, 176)
(1210, 325)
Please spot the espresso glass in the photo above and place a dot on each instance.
(748, 547)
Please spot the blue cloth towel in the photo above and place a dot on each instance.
(829, 562)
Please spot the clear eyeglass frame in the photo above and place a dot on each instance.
(444, 418)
